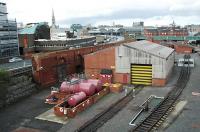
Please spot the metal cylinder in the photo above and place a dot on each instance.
(76, 98)
(97, 83)
(69, 88)
(88, 88)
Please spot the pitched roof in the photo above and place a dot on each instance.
(151, 48)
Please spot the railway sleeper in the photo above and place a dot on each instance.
(143, 128)
(147, 123)
(140, 129)
(159, 112)
(151, 120)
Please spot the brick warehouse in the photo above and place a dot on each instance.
(141, 62)
(50, 67)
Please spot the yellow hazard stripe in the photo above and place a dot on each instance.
(142, 75)
(139, 80)
(140, 69)
(141, 83)
(141, 72)
(134, 66)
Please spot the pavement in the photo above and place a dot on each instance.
(15, 65)
(86, 115)
(22, 115)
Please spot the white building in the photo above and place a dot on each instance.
(146, 62)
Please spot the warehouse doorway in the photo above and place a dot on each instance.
(61, 72)
(141, 74)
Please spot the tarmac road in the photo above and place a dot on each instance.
(23, 113)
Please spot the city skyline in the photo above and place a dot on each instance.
(152, 12)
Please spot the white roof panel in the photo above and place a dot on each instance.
(151, 48)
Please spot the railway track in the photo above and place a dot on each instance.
(100, 119)
(159, 113)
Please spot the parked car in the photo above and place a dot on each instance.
(15, 59)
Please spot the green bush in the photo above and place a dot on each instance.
(4, 76)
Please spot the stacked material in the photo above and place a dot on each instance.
(21, 86)
(80, 90)
(16, 88)
(116, 88)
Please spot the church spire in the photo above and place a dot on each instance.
(53, 19)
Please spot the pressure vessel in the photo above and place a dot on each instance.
(97, 83)
(76, 98)
(88, 88)
(69, 88)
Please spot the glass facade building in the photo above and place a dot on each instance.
(9, 46)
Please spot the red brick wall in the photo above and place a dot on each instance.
(103, 59)
(182, 49)
(158, 82)
(120, 77)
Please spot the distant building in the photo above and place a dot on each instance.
(107, 31)
(8, 35)
(57, 33)
(136, 24)
(170, 33)
(137, 29)
(30, 33)
(193, 29)
(76, 27)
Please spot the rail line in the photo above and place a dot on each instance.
(93, 124)
(159, 113)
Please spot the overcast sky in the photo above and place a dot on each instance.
(95, 12)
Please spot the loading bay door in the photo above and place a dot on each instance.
(141, 74)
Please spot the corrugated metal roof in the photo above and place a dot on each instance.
(151, 48)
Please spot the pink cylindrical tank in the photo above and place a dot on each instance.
(97, 83)
(88, 88)
(76, 98)
(69, 88)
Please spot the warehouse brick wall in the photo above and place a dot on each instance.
(183, 49)
(103, 59)
(158, 82)
(100, 59)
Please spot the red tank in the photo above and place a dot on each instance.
(76, 98)
(97, 83)
(88, 88)
(69, 88)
